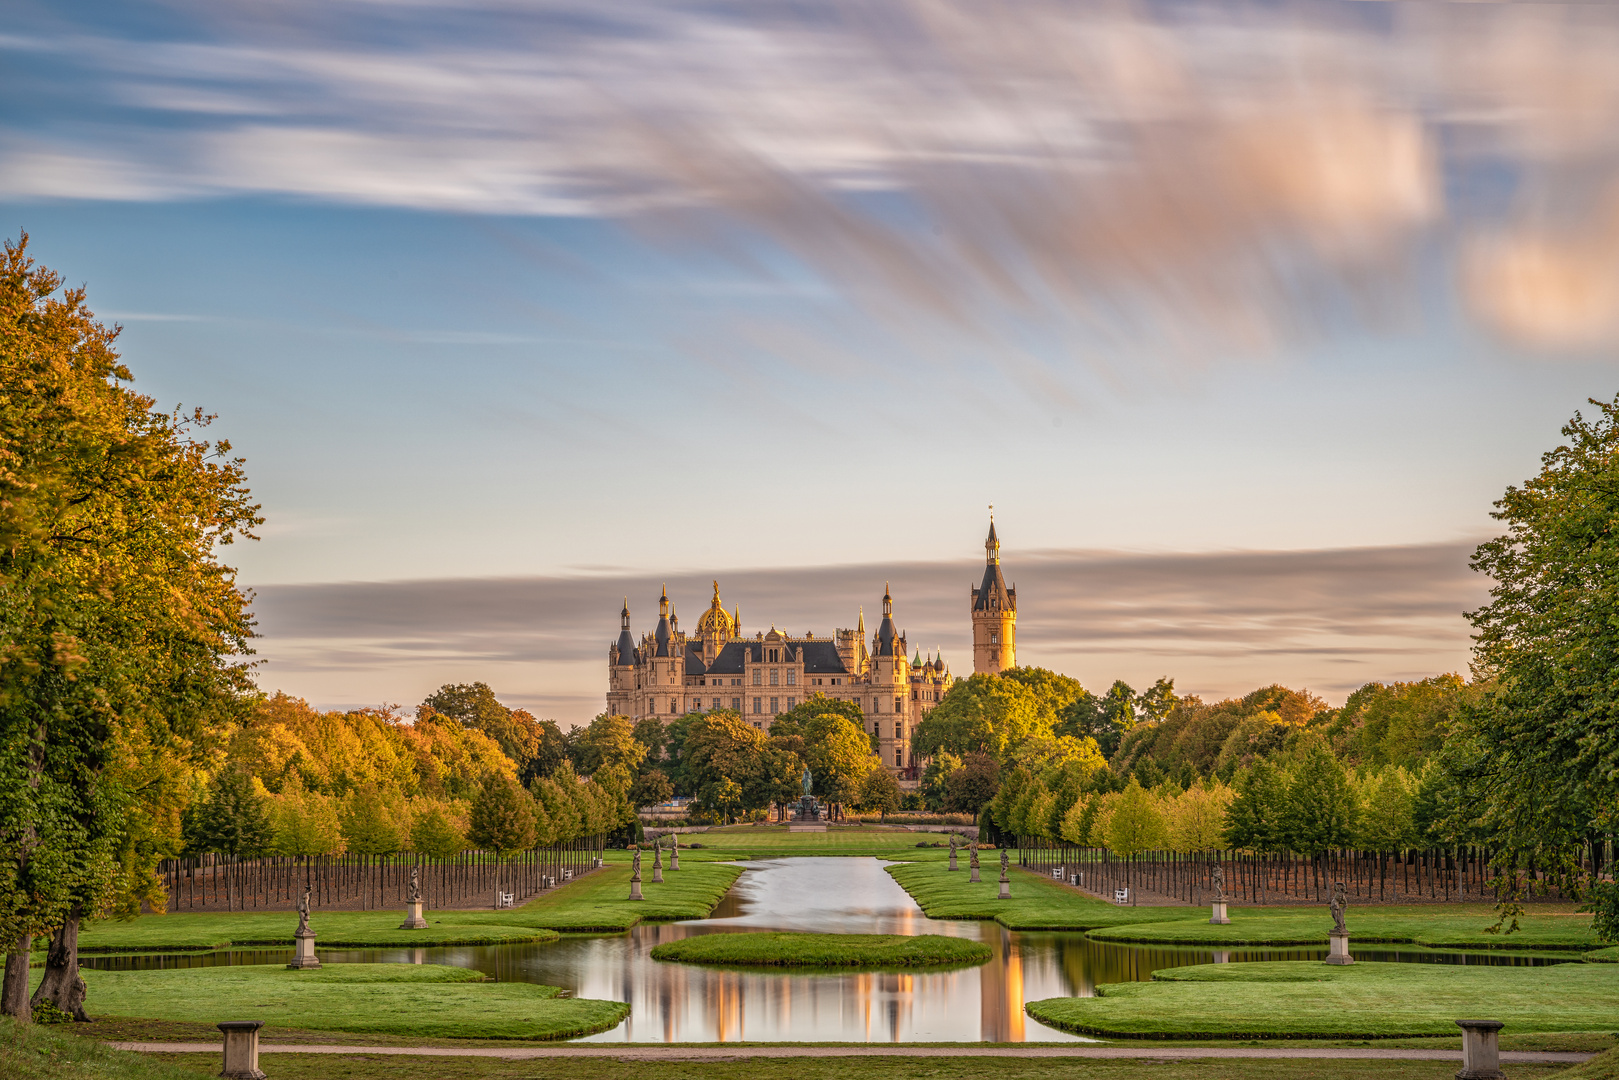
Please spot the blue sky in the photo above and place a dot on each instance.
(524, 296)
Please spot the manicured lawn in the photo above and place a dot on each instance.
(824, 950)
(1604, 1066)
(1459, 926)
(773, 841)
(35, 1052)
(1037, 903)
(1312, 999)
(333, 929)
(599, 901)
(431, 1000)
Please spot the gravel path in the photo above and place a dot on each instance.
(728, 1053)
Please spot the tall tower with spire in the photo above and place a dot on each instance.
(994, 614)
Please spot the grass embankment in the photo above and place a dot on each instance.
(1459, 926)
(1037, 903)
(34, 1052)
(1308, 999)
(825, 950)
(595, 902)
(431, 1000)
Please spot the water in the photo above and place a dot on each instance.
(687, 1003)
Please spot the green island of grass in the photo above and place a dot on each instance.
(432, 1000)
(1037, 903)
(1309, 999)
(825, 950)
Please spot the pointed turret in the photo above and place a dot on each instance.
(661, 635)
(886, 635)
(626, 642)
(994, 613)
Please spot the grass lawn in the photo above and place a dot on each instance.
(1311, 999)
(1455, 926)
(825, 950)
(595, 902)
(1038, 902)
(431, 1000)
(56, 1052)
(334, 929)
(772, 841)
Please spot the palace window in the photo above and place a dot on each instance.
(736, 704)
(899, 704)
(994, 639)
(876, 704)
(876, 728)
(792, 676)
(758, 677)
(716, 703)
(791, 703)
(757, 703)
(896, 759)
(775, 706)
(674, 704)
(775, 677)
(899, 730)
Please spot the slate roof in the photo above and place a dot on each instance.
(994, 585)
(820, 657)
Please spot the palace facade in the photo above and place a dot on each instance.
(669, 673)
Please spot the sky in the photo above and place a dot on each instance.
(1240, 314)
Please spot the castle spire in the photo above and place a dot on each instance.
(992, 545)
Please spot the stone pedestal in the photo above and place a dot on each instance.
(657, 866)
(674, 856)
(1481, 1050)
(1006, 890)
(414, 920)
(975, 876)
(953, 857)
(1217, 914)
(635, 889)
(1338, 948)
(242, 1049)
(303, 955)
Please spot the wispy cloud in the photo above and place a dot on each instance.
(1240, 171)
(1219, 623)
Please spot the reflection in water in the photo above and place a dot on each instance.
(686, 1003)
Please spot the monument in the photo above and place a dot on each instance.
(972, 859)
(413, 902)
(1338, 937)
(808, 808)
(303, 956)
(1218, 916)
(953, 852)
(635, 877)
(657, 864)
(1006, 882)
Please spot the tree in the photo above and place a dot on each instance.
(502, 818)
(305, 822)
(1321, 809)
(231, 821)
(1385, 818)
(795, 720)
(1137, 823)
(650, 733)
(608, 740)
(121, 632)
(650, 788)
(435, 835)
(880, 792)
(373, 824)
(839, 755)
(1197, 819)
(534, 747)
(1254, 818)
(971, 787)
(988, 713)
(934, 777)
(1539, 757)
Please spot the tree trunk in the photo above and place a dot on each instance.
(61, 985)
(14, 991)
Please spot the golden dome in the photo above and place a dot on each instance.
(715, 620)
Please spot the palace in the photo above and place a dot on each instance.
(669, 673)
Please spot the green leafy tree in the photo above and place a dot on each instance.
(608, 740)
(650, 788)
(434, 834)
(650, 733)
(373, 823)
(1254, 820)
(880, 792)
(838, 753)
(121, 631)
(1137, 823)
(1322, 811)
(1385, 820)
(557, 795)
(232, 820)
(934, 777)
(535, 748)
(974, 785)
(796, 720)
(306, 823)
(1539, 754)
(503, 820)
(988, 713)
